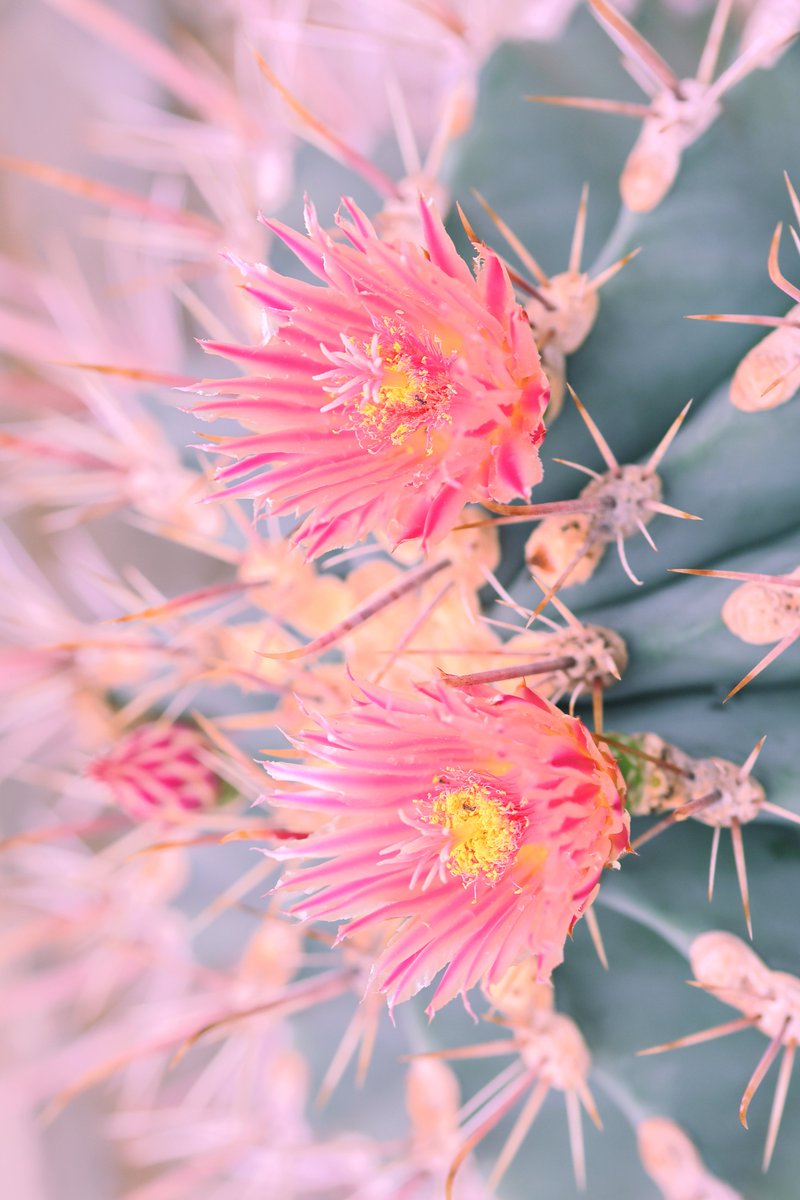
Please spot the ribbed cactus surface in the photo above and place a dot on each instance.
(704, 250)
(473, 689)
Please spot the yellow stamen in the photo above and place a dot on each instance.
(415, 392)
(485, 831)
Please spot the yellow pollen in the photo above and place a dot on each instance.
(402, 394)
(414, 394)
(485, 834)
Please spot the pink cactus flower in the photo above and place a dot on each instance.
(158, 770)
(473, 826)
(388, 398)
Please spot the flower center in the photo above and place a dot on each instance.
(483, 822)
(392, 386)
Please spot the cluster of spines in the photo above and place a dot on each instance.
(604, 525)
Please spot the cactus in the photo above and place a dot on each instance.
(551, 583)
(683, 659)
(637, 368)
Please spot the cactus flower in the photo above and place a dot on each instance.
(473, 826)
(157, 770)
(385, 400)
